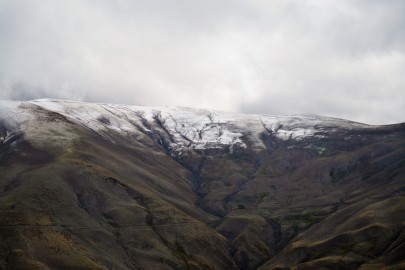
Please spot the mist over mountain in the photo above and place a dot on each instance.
(342, 58)
(108, 186)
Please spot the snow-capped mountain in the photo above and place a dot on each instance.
(107, 186)
(180, 128)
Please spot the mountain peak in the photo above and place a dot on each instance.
(130, 187)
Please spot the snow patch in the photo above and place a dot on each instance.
(180, 127)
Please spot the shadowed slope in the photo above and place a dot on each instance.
(101, 186)
(99, 204)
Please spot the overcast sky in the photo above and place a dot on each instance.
(336, 58)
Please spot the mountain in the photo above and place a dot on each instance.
(105, 186)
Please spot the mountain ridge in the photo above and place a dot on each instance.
(209, 190)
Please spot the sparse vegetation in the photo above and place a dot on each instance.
(75, 196)
(269, 175)
(260, 199)
(346, 248)
(312, 256)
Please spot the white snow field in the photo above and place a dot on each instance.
(181, 127)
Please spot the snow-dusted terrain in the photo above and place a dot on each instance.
(177, 128)
(181, 188)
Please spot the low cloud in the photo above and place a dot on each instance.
(7, 123)
(338, 58)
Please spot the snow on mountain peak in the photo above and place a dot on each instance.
(179, 127)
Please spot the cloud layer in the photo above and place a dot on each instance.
(337, 58)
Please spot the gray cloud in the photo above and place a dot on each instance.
(338, 58)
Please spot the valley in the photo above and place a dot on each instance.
(106, 186)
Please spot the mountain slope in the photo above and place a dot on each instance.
(103, 186)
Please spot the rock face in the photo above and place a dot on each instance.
(104, 186)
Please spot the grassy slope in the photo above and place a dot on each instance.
(74, 199)
(296, 186)
(95, 203)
